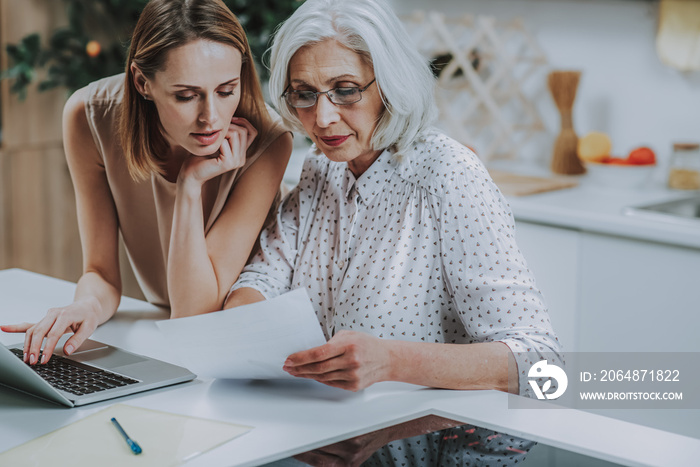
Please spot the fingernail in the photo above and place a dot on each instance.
(43, 359)
(32, 359)
(24, 357)
(68, 349)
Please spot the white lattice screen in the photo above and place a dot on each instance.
(490, 75)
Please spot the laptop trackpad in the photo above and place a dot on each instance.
(89, 345)
(107, 357)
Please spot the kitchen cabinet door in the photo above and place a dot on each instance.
(552, 256)
(638, 296)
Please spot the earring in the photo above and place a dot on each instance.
(145, 97)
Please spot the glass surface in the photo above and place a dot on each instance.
(437, 441)
(165, 439)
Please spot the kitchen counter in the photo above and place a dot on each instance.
(290, 417)
(600, 209)
(593, 207)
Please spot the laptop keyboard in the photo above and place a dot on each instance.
(76, 377)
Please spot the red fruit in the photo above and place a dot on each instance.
(642, 156)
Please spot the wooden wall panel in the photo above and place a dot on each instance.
(64, 256)
(42, 222)
(38, 222)
(36, 120)
(40, 213)
(31, 132)
(28, 222)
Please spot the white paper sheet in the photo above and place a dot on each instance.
(250, 341)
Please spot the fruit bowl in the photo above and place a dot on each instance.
(618, 175)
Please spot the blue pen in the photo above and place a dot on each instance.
(135, 448)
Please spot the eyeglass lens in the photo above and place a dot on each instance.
(341, 96)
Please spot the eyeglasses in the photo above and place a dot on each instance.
(338, 96)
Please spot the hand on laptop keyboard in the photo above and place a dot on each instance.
(79, 317)
(76, 377)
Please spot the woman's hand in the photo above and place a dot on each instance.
(349, 453)
(231, 155)
(354, 451)
(349, 360)
(79, 317)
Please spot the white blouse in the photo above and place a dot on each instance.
(421, 247)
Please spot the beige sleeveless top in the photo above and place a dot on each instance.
(145, 208)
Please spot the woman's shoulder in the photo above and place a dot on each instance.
(438, 150)
(102, 100)
(91, 112)
(106, 90)
(438, 161)
(99, 91)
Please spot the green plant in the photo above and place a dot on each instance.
(95, 41)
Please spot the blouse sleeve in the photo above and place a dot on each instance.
(271, 270)
(486, 274)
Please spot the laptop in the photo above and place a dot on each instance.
(94, 372)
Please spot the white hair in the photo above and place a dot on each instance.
(371, 29)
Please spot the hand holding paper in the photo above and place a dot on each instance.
(250, 341)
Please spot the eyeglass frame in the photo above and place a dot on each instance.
(316, 93)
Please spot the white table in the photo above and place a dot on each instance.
(290, 418)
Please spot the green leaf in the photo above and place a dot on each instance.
(47, 85)
(32, 45)
(14, 53)
(27, 51)
(62, 38)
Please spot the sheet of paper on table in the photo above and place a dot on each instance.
(250, 341)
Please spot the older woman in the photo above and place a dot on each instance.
(403, 242)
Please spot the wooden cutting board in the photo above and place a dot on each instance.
(512, 184)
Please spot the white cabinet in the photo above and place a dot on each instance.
(552, 254)
(608, 293)
(638, 296)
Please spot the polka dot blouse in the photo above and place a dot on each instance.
(465, 445)
(420, 247)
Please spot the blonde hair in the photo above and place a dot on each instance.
(163, 26)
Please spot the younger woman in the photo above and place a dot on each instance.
(181, 157)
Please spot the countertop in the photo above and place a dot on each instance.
(593, 208)
(296, 416)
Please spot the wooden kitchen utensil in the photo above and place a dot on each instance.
(511, 184)
(563, 85)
